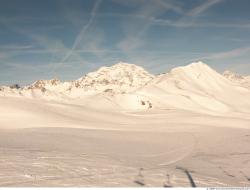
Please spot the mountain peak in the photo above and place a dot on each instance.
(197, 66)
(44, 83)
(119, 78)
(198, 63)
(121, 66)
(197, 77)
(193, 69)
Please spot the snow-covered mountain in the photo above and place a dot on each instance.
(47, 84)
(194, 87)
(53, 85)
(119, 78)
(238, 79)
(8, 91)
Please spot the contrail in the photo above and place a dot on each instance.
(83, 30)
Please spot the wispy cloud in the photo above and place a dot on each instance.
(15, 47)
(170, 5)
(134, 29)
(227, 54)
(80, 36)
(3, 55)
(191, 19)
(197, 24)
(52, 47)
(203, 7)
(10, 50)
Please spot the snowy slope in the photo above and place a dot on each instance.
(45, 143)
(196, 87)
(238, 79)
(89, 138)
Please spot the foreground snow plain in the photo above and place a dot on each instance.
(104, 140)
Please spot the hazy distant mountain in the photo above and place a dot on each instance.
(238, 79)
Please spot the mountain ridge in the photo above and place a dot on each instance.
(238, 79)
(127, 86)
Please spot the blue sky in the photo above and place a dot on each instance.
(65, 39)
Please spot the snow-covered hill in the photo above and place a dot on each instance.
(196, 87)
(238, 79)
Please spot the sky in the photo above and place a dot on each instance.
(65, 39)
